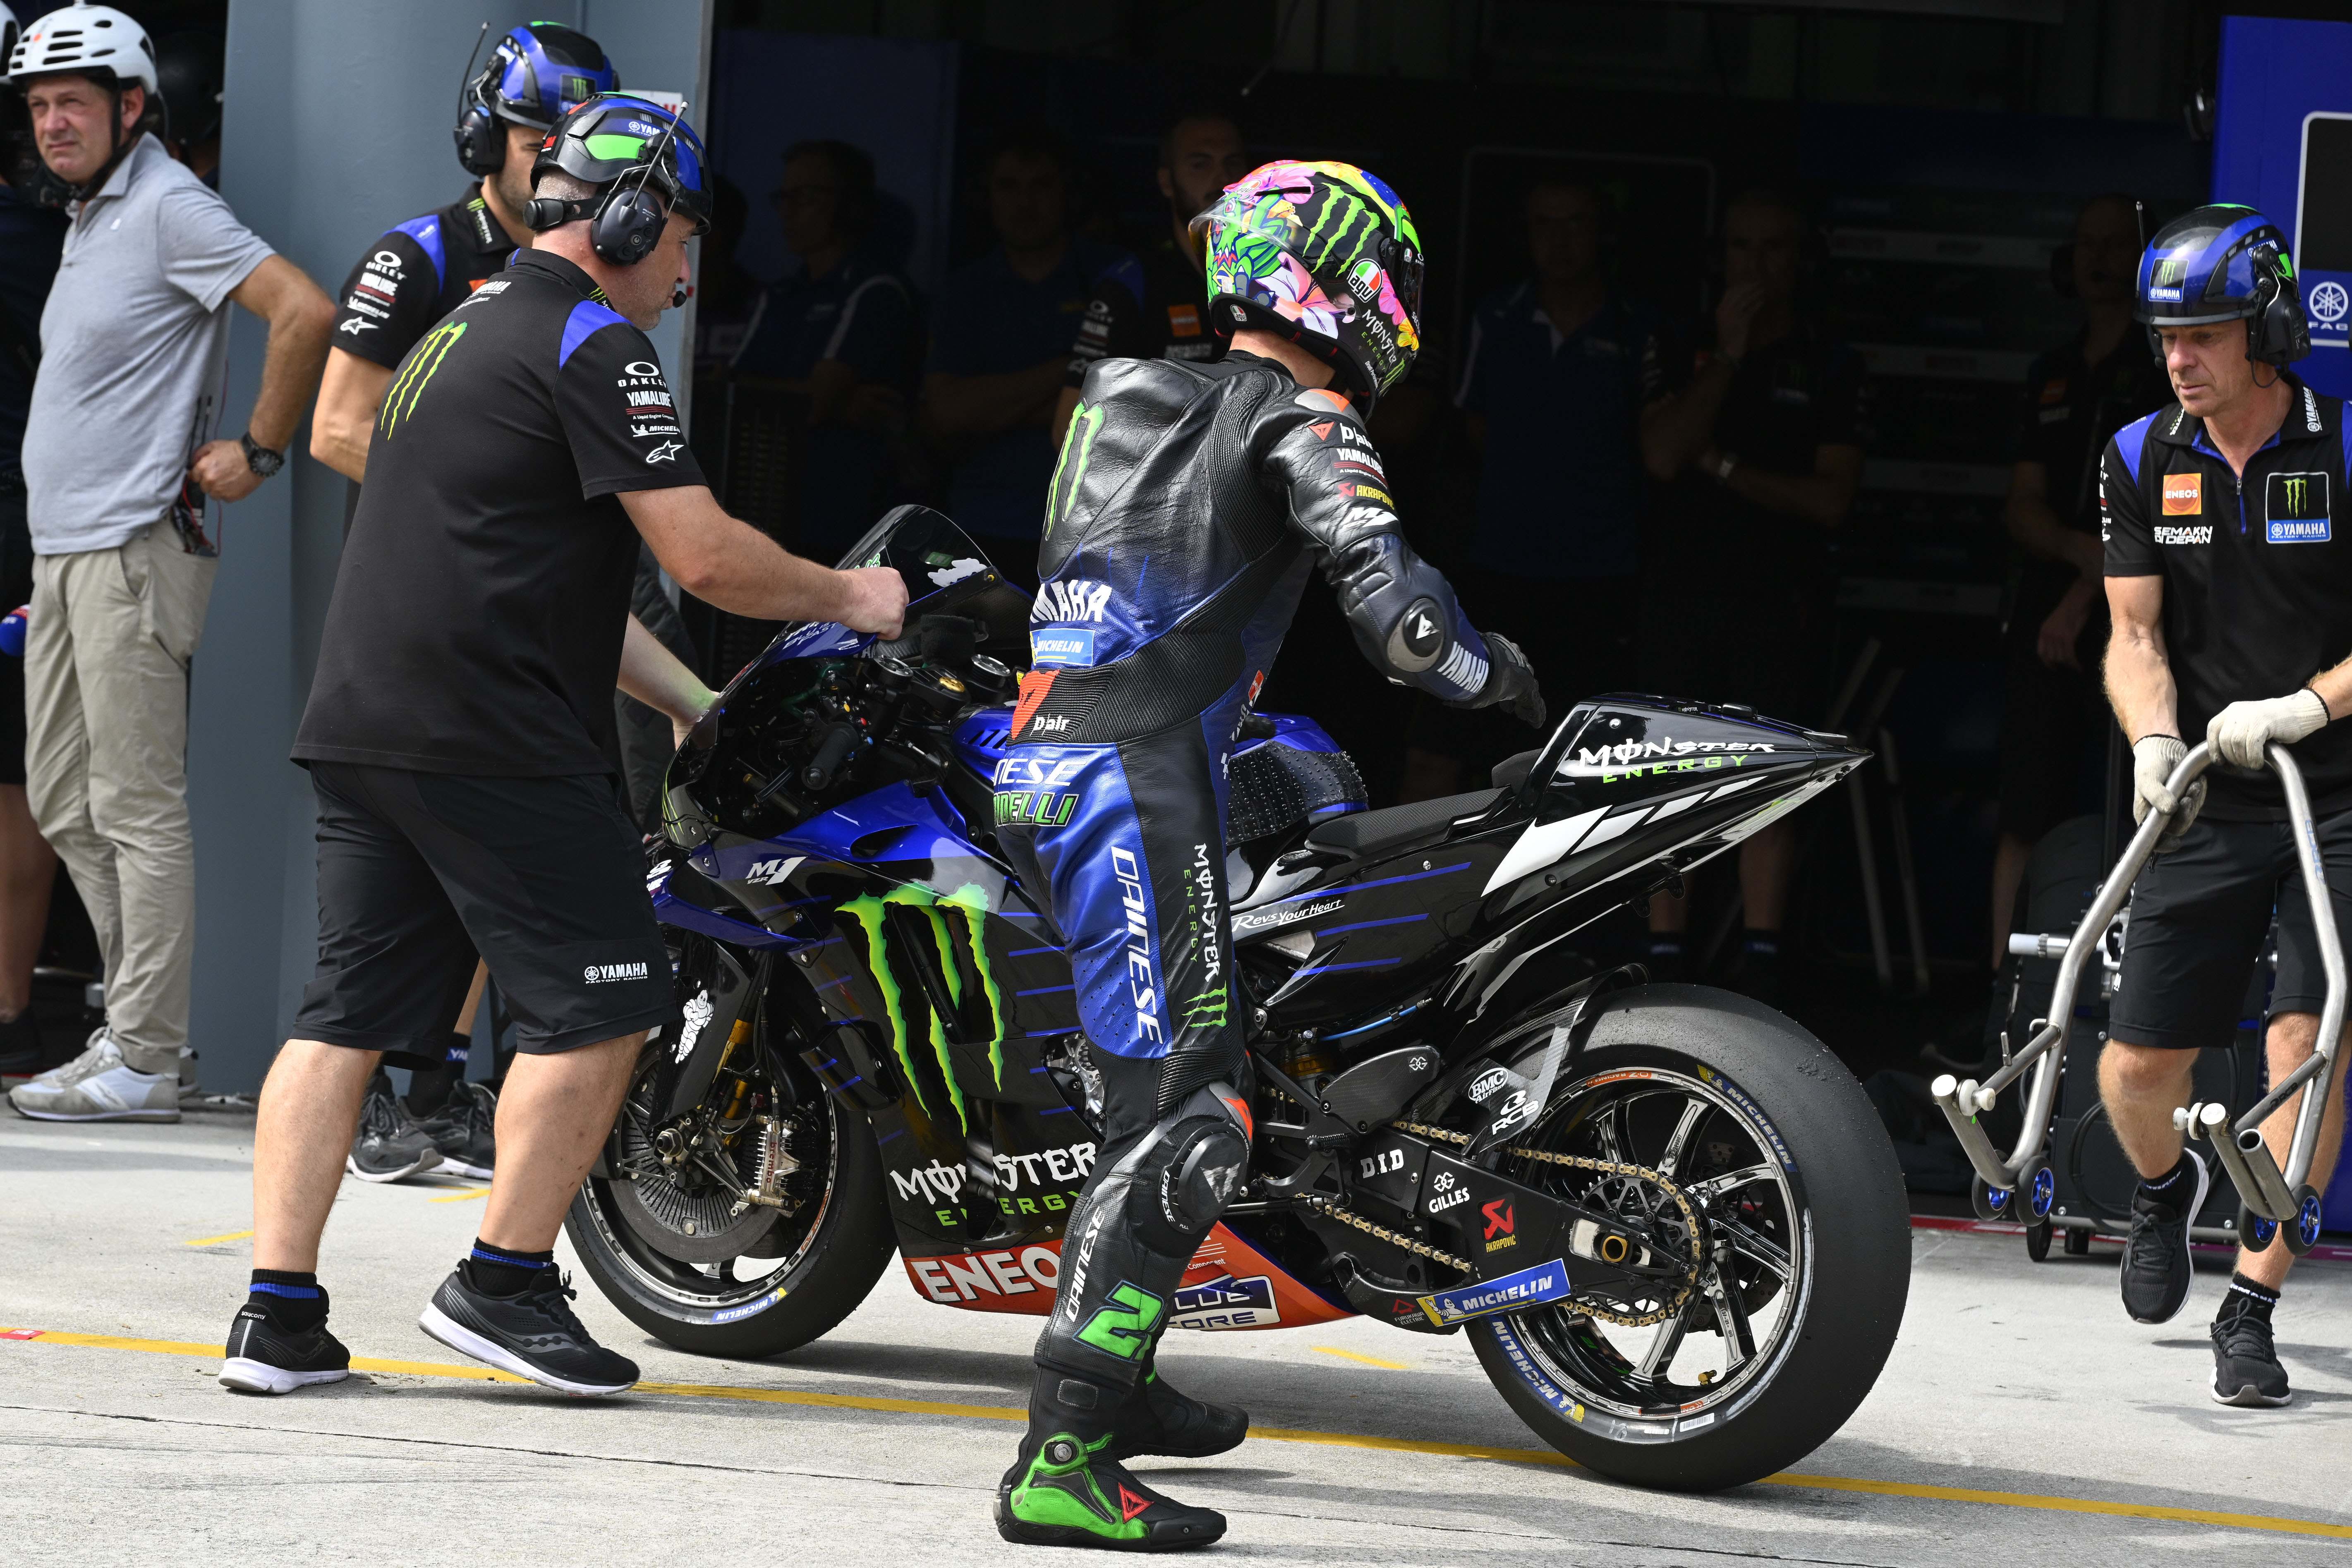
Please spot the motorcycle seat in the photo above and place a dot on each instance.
(1367, 834)
(1513, 770)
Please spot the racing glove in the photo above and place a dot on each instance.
(2239, 733)
(2153, 759)
(1510, 684)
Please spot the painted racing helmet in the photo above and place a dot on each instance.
(612, 135)
(1326, 256)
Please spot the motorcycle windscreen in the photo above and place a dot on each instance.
(946, 574)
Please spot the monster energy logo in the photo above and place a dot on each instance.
(2170, 271)
(416, 371)
(898, 1001)
(1350, 207)
(2298, 493)
(1083, 423)
(1206, 1011)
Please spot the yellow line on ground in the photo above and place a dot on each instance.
(466, 1197)
(232, 1236)
(1359, 1355)
(1274, 1433)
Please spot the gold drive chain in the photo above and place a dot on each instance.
(1607, 1167)
(1324, 1206)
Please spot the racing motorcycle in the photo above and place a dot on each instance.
(1666, 1216)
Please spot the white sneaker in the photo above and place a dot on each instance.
(114, 1094)
(97, 1053)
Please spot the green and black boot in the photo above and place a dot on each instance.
(1156, 1419)
(1066, 1489)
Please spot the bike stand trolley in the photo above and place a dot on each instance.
(2023, 1187)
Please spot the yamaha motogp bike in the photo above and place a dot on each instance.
(1666, 1216)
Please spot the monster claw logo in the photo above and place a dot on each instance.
(423, 360)
(2298, 490)
(2168, 271)
(899, 1001)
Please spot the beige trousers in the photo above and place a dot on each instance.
(107, 651)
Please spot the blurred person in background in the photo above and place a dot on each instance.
(2054, 710)
(1558, 373)
(188, 78)
(30, 238)
(1758, 440)
(406, 281)
(1149, 306)
(842, 331)
(1002, 332)
(120, 459)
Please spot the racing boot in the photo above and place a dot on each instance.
(1066, 1489)
(1156, 1419)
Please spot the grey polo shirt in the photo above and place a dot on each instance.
(134, 353)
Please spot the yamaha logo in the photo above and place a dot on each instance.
(602, 973)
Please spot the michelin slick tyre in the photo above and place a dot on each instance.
(1752, 1361)
(777, 1286)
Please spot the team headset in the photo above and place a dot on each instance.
(482, 136)
(623, 230)
(2276, 332)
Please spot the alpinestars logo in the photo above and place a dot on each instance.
(604, 974)
(416, 372)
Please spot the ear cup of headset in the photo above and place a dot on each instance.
(627, 227)
(481, 142)
(2282, 335)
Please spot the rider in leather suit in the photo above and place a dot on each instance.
(1191, 503)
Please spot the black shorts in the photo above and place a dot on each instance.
(418, 872)
(2197, 916)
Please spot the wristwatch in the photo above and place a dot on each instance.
(260, 458)
(1723, 469)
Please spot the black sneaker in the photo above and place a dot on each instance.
(2156, 1271)
(264, 1357)
(1156, 1419)
(390, 1144)
(1072, 1493)
(464, 1132)
(532, 1334)
(2246, 1369)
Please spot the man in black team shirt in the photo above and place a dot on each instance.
(2232, 604)
(410, 277)
(466, 801)
(1149, 307)
(1758, 442)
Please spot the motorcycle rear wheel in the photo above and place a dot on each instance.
(1781, 1335)
(821, 1262)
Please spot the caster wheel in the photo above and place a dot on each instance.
(1991, 1203)
(2078, 1242)
(2303, 1231)
(2037, 1240)
(2255, 1233)
(2036, 1195)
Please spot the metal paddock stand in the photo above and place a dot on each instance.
(2273, 1199)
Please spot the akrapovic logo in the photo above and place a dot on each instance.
(602, 974)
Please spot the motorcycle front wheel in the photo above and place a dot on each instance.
(684, 1260)
(1691, 1107)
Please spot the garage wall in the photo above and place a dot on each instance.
(338, 121)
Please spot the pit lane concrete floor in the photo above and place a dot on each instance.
(2020, 1383)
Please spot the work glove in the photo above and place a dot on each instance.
(2239, 733)
(1510, 684)
(2153, 759)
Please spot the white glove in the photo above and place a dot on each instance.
(2153, 759)
(2240, 732)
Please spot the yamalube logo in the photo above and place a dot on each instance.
(602, 974)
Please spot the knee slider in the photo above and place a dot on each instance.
(1204, 1172)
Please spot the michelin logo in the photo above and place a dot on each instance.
(1528, 1287)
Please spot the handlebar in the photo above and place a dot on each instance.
(839, 740)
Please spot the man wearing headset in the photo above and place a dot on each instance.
(461, 759)
(2231, 598)
(408, 280)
